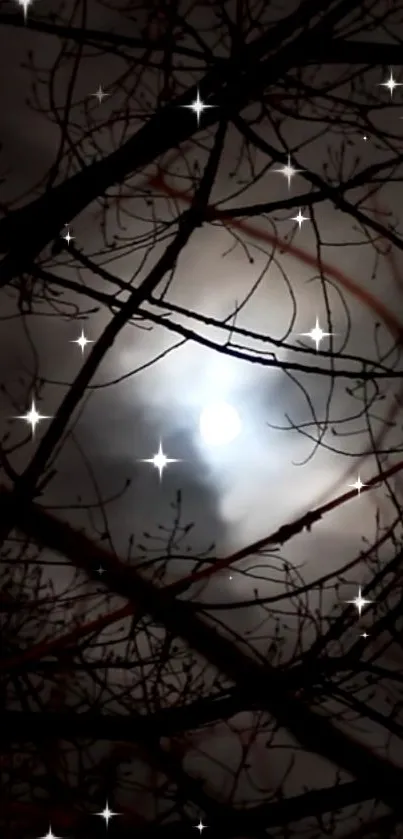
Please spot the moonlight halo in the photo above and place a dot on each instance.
(219, 424)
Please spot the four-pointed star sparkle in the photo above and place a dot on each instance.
(32, 417)
(197, 106)
(25, 5)
(100, 94)
(390, 84)
(160, 461)
(288, 170)
(82, 341)
(107, 814)
(200, 827)
(68, 238)
(316, 334)
(358, 485)
(359, 602)
(300, 218)
(49, 835)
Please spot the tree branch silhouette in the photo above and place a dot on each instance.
(124, 670)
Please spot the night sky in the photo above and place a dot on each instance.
(305, 435)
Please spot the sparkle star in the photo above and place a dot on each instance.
(358, 485)
(200, 827)
(197, 106)
(100, 94)
(390, 84)
(49, 835)
(316, 334)
(32, 417)
(300, 218)
(359, 602)
(24, 5)
(288, 171)
(364, 635)
(160, 461)
(107, 814)
(82, 342)
(67, 237)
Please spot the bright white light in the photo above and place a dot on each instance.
(159, 460)
(358, 485)
(359, 602)
(107, 814)
(198, 106)
(219, 424)
(24, 5)
(391, 83)
(288, 171)
(49, 835)
(32, 417)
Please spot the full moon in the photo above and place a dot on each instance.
(219, 424)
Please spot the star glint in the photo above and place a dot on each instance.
(300, 218)
(198, 106)
(100, 94)
(82, 341)
(160, 461)
(32, 417)
(67, 237)
(316, 334)
(25, 6)
(288, 170)
(359, 602)
(358, 485)
(390, 84)
(107, 814)
(49, 835)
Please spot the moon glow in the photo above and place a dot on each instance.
(219, 424)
